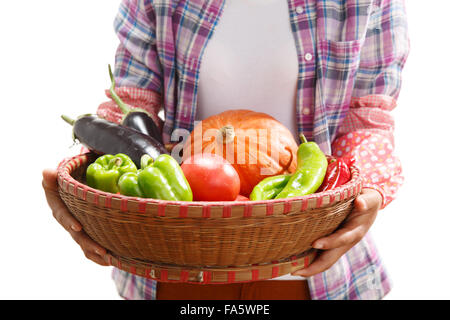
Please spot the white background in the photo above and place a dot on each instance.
(53, 60)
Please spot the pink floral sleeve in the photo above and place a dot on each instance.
(135, 98)
(366, 135)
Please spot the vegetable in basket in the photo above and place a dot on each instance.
(211, 177)
(137, 119)
(249, 140)
(338, 173)
(270, 187)
(161, 178)
(240, 197)
(105, 137)
(310, 173)
(104, 173)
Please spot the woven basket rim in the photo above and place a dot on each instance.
(69, 184)
(209, 275)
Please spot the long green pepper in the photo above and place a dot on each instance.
(269, 187)
(311, 169)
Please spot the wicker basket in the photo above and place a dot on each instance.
(204, 242)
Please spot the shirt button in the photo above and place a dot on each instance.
(308, 57)
(299, 9)
(306, 111)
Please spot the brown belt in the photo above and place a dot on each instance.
(258, 290)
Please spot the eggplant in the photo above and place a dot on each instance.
(105, 137)
(136, 118)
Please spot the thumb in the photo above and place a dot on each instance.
(368, 198)
(49, 180)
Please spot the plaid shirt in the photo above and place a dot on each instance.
(350, 57)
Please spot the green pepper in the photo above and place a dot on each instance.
(311, 169)
(162, 179)
(104, 173)
(269, 187)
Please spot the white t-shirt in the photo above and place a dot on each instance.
(251, 63)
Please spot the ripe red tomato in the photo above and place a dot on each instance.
(211, 177)
(241, 198)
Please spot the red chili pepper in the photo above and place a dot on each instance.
(338, 173)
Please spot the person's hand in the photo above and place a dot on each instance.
(91, 249)
(350, 233)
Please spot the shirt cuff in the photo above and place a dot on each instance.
(384, 201)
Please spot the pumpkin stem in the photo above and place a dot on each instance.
(227, 134)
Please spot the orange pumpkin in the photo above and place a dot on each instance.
(256, 144)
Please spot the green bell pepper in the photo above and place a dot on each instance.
(162, 179)
(311, 169)
(104, 173)
(269, 187)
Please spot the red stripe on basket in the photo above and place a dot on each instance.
(84, 194)
(207, 276)
(161, 210)
(119, 264)
(269, 209)
(164, 275)
(319, 202)
(96, 198)
(247, 210)
(75, 188)
(304, 204)
(124, 205)
(67, 186)
(183, 211)
(133, 270)
(226, 211)
(184, 276)
(275, 271)
(306, 261)
(142, 206)
(332, 198)
(108, 199)
(231, 276)
(206, 211)
(110, 260)
(287, 207)
(255, 274)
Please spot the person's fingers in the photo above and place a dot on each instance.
(342, 237)
(365, 209)
(368, 199)
(91, 249)
(96, 258)
(356, 224)
(49, 181)
(323, 262)
(59, 209)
